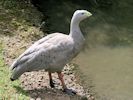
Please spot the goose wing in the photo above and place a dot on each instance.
(45, 51)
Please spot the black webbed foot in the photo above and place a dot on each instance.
(69, 91)
(52, 84)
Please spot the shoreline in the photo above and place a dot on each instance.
(36, 83)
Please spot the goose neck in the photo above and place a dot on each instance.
(74, 27)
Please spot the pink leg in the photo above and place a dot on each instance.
(60, 75)
(65, 89)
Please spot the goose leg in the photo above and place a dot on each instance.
(50, 80)
(65, 89)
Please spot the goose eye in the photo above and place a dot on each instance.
(82, 13)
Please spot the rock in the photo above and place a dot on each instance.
(38, 98)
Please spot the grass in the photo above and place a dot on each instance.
(19, 26)
(9, 90)
(15, 14)
(15, 24)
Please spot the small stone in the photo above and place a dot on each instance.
(32, 99)
(38, 98)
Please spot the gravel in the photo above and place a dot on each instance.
(37, 84)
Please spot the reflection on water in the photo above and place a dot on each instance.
(111, 71)
(107, 63)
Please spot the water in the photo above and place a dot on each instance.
(108, 72)
(106, 63)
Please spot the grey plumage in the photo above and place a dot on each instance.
(53, 51)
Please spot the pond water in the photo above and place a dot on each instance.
(107, 61)
(108, 72)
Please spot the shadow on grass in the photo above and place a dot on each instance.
(53, 94)
(48, 94)
(57, 14)
(21, 90)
